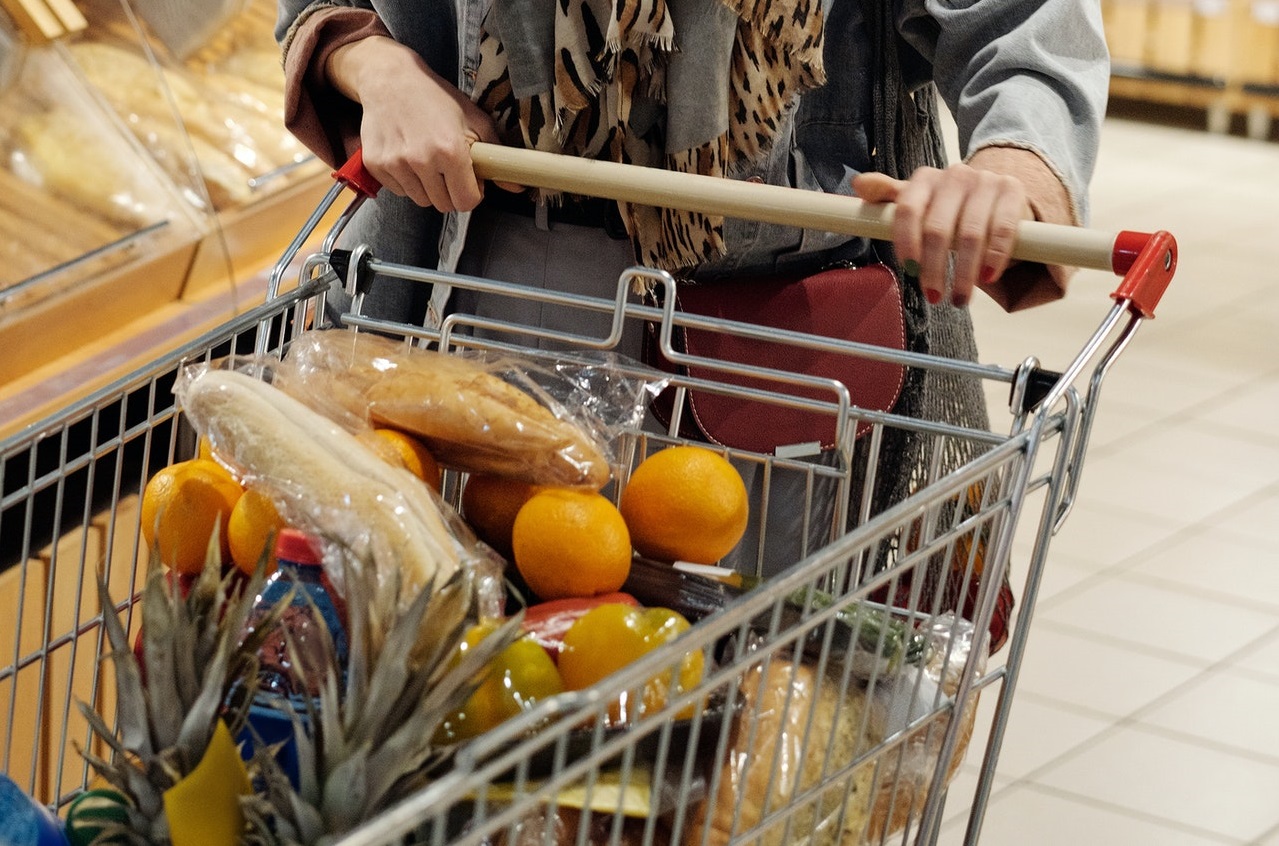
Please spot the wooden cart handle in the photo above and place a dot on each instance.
(1037, 242)
(1047, 243)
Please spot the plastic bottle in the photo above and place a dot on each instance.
(24, 821)
(315, 609)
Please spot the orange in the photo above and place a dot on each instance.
(254, 522)
(414, 455)
(490, 503)
(571, 542)
(182, 506)
(685, 503)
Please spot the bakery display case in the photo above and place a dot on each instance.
(80, 201)
(203, 90)
(216, 113)
(147, 181)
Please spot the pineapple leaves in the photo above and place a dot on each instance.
(131, 703)
(194, 656)
(409, 746)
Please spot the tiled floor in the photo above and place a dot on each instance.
(1148, 706)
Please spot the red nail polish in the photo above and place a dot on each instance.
(933, 296)
(987, 275)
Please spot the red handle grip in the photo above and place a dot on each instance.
(1147, 262)
(354, 176)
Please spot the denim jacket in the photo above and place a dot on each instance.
(1031, 74)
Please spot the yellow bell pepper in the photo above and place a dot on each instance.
(610, 637)
(519, 677)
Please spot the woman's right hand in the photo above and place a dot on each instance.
(417, 128)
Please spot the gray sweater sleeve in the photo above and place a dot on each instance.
(1032, 74)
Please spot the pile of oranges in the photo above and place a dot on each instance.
(683, 503)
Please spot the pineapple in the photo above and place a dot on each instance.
(195, 654)
(371, 746)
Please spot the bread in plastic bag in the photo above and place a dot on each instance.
(326, 480)
(905, 774)
(476, 413)
(795, 727)
(798, 725)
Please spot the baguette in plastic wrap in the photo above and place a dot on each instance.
(323, 477)
(470, 419)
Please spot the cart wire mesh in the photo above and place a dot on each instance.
(839, 694)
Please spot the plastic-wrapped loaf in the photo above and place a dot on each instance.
(795, 727)
(470, 418)
(324, 477)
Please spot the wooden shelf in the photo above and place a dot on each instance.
(1221, 56)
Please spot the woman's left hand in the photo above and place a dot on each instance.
(974, 213)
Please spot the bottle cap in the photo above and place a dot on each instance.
(298, 547)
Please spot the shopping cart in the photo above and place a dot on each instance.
(839, 696)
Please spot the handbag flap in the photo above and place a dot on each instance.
(861, 304)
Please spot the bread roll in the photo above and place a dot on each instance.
(469, 419)
(225, 179)
(794, 729)
(82, 232)
(133, 87)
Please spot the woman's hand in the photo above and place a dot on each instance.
(417, 129)
(973, 212)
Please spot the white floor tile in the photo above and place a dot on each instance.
(1253, 409)
(1184, 783)
(1254, 517)
(1101, 536)
(1029, 814)
(1061, 575)
(1174, 622)
(1177, 485)
(1037, 733)
(1221, 456)
(1224, 707)
(1262, 658)
(959, 798)
(1221, 565)
(1120, 422)
(1094, 676)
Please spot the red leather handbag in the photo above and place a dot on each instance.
(862, 304)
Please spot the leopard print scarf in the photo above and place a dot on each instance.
(698, 86)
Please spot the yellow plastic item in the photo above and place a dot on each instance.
(607, 795)
(204, 808)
